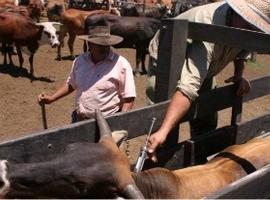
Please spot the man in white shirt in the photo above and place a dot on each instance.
(102, 79)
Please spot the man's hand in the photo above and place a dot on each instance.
(155, 140)
(44, 99)
(243, 85)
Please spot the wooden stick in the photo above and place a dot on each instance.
(43, 113)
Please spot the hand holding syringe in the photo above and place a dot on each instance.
(143, 152)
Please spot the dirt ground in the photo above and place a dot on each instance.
(20, 113)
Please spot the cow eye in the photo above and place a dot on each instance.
(48, 35)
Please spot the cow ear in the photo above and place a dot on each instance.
(104, 128)
(119, 136)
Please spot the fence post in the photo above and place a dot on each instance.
(171, 56)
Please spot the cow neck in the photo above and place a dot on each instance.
(40, 33)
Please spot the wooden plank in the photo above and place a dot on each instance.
(171, 158)
(259, 88)
(252, 128)
(211, 143)
(252, 186)
(43, 145)
(233, 37)
(224, 97)
(35, 147)
(171, 55)
(137, 122)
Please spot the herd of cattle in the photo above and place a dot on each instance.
(102, 170)
(136, 22)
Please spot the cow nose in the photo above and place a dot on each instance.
(55, 44)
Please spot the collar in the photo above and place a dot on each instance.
(110, 56)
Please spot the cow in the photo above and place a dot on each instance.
(199, 181)
(166, 3)
(158, 12)
(21, 31)
(101, 170)
(82, 170)
(8, 48)
(73, 24)
(4, 3)
(91, 4)
(35, 9)
(55, 8)
(136, 32)
(180, 6)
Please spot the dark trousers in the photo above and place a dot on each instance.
(207, 123)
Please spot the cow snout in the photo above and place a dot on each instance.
(55, 44)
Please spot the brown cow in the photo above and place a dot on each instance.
(199, 181)
(4, 3)
(73, 24)
(136, 32)
(35, 8)
(55, 9)
(8, 48)
(20, 30)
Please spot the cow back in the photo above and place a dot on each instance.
(16, 27)
(74, 19)
(134, 30)
(55, 8)
(143, 11)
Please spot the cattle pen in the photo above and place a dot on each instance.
(44, 145)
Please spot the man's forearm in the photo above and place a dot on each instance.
(62, 91)
(178, 107)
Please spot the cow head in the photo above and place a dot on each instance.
(164, 10)
(49, 33)
(35, 8)
(83, 170)
(124, 180)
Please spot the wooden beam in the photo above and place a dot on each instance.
(211, 143)
(233, 37)
(171, 56)
(259, 88)
(252, 128)
(252, 186)
(43, 145)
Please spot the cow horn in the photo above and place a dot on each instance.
(38, 24)
(104, 128)
(131, 191)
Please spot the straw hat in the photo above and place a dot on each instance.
(100, 35)
(256, 12)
